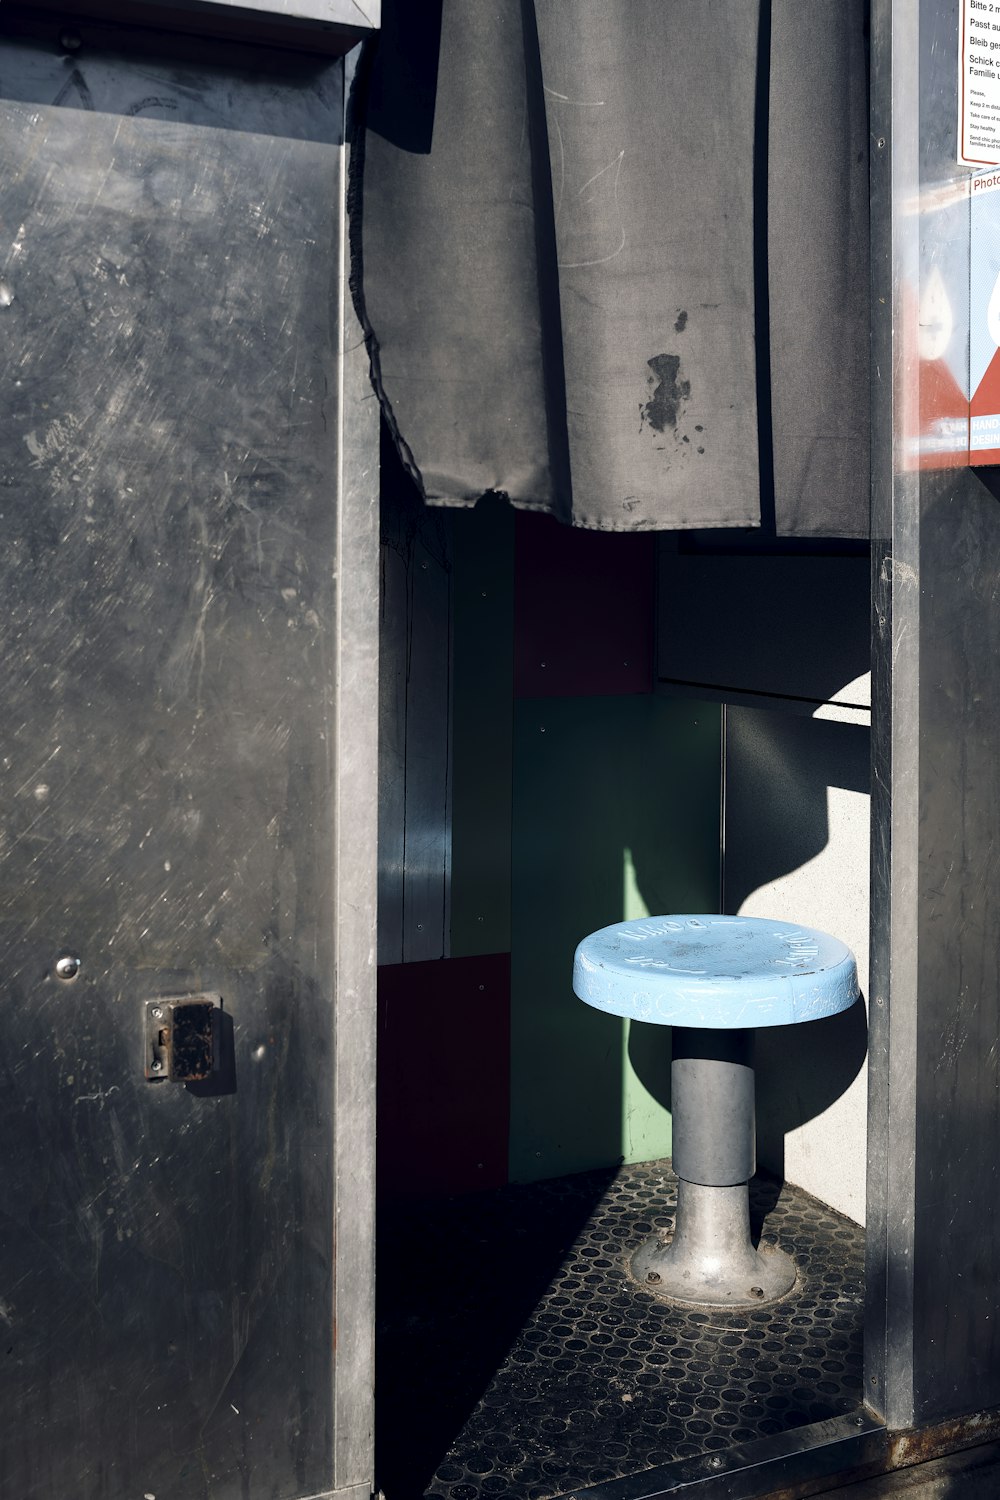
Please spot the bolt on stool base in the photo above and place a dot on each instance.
(710, 1261)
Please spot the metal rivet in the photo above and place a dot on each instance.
(716, 1462)
(156, 1067)
(653, 1276)
(156, 1011)
(756, 1291)
(67, 967)
(880, 143)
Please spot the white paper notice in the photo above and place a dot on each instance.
(979, 83)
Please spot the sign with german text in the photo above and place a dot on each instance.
(979, 83)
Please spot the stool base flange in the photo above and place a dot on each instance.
(710, 1261)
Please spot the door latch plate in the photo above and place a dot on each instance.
(182, 1037)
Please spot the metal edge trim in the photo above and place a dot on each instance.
(355, 494)
(789, 1463)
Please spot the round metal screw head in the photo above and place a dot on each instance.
(653, 1276)
(756, 1291)
(67, 967)
(156, 1067)
(156, 1011)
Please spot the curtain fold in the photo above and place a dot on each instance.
(611, 257)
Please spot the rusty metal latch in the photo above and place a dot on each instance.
(182, 1037)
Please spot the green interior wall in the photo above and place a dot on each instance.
(482, 727)
(615, 815)
(568, 814)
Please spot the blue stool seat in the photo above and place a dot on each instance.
(715, 972)
(714, 980)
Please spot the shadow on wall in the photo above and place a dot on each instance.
(594, 777)
(780, 771)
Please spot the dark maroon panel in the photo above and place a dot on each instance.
(443, 1075)
(583, 610)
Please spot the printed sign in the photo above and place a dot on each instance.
(979, 83)
(953, 401)
(936, 306)
(984, 320)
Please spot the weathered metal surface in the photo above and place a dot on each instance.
(181, 1038)
(356, 858)
(783, 1467)
(894, 583)
(709, 1260)
(143, 74)
(934, 1263)
(170, 542)
(319, 26)
(916, 1445)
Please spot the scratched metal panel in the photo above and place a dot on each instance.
(343, 11)
(956, 1215)
(142, 72)
(933, 1345)
(328, 26)
(168, 539)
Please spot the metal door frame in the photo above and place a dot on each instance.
(352, 494)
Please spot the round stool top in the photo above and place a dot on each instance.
(715, 971)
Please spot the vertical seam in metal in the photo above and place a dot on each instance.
(723, 755)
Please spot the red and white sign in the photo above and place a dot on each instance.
(984, 319)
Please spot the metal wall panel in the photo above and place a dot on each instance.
(171, 537)
(414, 724)
(328, 26)
(956, 1257)
(783, 627)
(933, 1347)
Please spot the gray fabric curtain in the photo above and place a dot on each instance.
(612, 257)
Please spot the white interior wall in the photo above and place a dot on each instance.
(783, 641)
(797, 828)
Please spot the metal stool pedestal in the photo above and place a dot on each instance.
(710, 1257)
